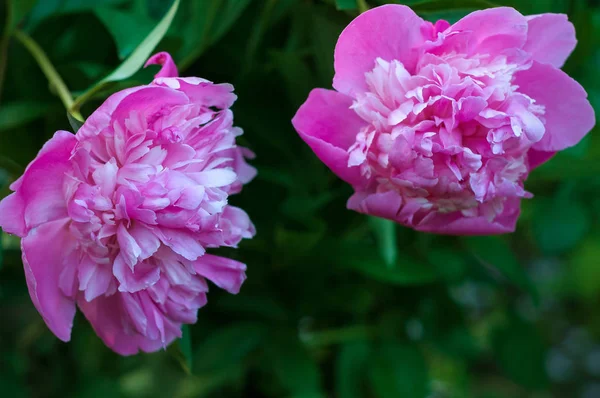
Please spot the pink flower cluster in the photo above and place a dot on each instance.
(117, 219)
(437, 126)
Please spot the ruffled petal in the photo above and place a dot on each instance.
(569, 116)
(328, 125)
(456, 224)
(390, 32)
(550, 38)
(226, 273)
(112, 323)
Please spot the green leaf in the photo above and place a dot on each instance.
(519, 351)
(18, 9)
(47, 8)
(19, 113)
(443, 5)
(137, 59)
(351, 366)
(127, 28)
(494, 251)
(398, 370)
(365, 259)
(385, 233)
(74, 122)
(204, 23)
(346, 4)
(185, 344)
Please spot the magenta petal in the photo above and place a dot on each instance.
(39, 194)
(328, 125)
(107, 316)
(390, 32)
(569, 116)
(45, 249)
(12, 209)
(490, 31)
(226, 273)
(169, 69)
(550, 38)
(537, 158)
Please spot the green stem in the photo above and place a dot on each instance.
(51, 74)
(362, 6)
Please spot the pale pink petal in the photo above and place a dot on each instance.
(328, 125)
(168, 67)
(390, 32)
(226, 273)
(45, 250)
(550, 38)
(569, 116)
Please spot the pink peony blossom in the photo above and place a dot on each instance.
(437, 126)
(119, 217)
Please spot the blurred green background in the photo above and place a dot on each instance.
(336, 304)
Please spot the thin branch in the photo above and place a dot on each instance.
(49, 70)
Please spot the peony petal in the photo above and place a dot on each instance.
(328, 125)
(39, 194)
(226, 273)
(490, 31)
(12, 220)
(568, 115)
(456, 224)
(537, 158)
(169, 69)
(111, 322)
(550, 38)
(390, 32)
(182, 242)
(45, 249)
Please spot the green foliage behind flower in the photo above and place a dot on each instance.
(336, 304)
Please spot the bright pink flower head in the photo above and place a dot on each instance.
(437, 126)
(118, 218)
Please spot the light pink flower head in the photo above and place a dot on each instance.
(118, 218)
(437, 126)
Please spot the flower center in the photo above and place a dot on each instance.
(452, 136)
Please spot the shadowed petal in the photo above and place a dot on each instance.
(45, 249)
(328, 125)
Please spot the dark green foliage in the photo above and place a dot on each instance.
(336, 304)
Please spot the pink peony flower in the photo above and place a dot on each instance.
(437, 126)
(117, 219)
